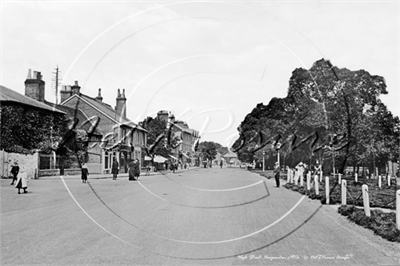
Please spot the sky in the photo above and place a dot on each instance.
(208, 62)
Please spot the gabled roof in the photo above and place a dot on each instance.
(8, 95)
(76, 113)
(106, 110)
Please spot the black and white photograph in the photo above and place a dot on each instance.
(199, 132)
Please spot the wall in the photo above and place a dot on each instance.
(28, 163)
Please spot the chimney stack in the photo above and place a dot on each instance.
(76, 89)
(120, 108)
(99, 98)
(34, 86)
(65, 92)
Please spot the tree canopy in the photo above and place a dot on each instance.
(328, 111)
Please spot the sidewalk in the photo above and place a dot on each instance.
(105, 176)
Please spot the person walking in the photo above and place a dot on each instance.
(14, 172)
(115, 168)
(134, 170)
(22, 182)
(277, 172)
(221, 163)
(85, 173)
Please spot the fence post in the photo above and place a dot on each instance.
(308, 180)
(340, 179)
(380, 181)
(320, 176)
(301, 179)
(398, 209)
(356, 177)
(327, 189)
(344, 187)
(316, 185)
(388, 180)
(366, 200)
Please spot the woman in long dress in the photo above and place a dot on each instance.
(131, 171)
(85, 173)
(115, 169)
(22, 182)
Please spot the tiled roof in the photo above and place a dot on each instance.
(72, 112)
(8, 95)
(108, 111)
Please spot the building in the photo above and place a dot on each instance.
(121, 138)
(187, 137)
(31, 109)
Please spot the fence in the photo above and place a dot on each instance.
(384, 194)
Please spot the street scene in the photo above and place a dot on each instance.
(197, 217)
(199, 133)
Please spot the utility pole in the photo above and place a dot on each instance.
(56, 83)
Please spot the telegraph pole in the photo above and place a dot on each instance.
(56, 83)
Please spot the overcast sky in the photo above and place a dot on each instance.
(209, 63)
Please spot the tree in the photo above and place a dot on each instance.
(208, 149)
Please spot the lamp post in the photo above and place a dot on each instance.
(278, 147)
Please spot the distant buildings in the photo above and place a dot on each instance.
(187, 137)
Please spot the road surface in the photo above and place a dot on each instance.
(214, 216)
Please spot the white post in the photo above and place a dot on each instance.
(366, 200)
(316, 185)
(296, 179)
(327, 189)
(340, 178)
(301, 178)
(356, 177)
(320, 176)
(398, 209)
(288, 176)
(380, 181)
(308, 180)
(388, 180)
(344, 187)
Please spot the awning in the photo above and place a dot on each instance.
(159, 159)
(173, 157)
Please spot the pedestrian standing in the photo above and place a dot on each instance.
(14, 172)
(221, 163)
(115, 168)
(132, 171)
(277, 172)
(85, 173)
(137, 169)
(22, 182)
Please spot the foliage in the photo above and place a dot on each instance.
(327, 101)
(208, 149)
(155, 128)
(383, 224)
(25, 129)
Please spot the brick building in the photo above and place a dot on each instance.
(187, 136)
(121, 138)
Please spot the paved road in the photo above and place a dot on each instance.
(198, 217)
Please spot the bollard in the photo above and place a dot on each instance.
(344, 187)
(356, 177)
(366, 200)
(388, 180)
(288, 176)
(327, 189)
(380, 181)
(316, 185)
(301, 176)
(340, 178)
(308, 180)
(398, 209)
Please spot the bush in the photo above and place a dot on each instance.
(383, 224)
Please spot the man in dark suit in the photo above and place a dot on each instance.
(277, 172)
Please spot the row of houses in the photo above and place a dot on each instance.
(114, 137)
